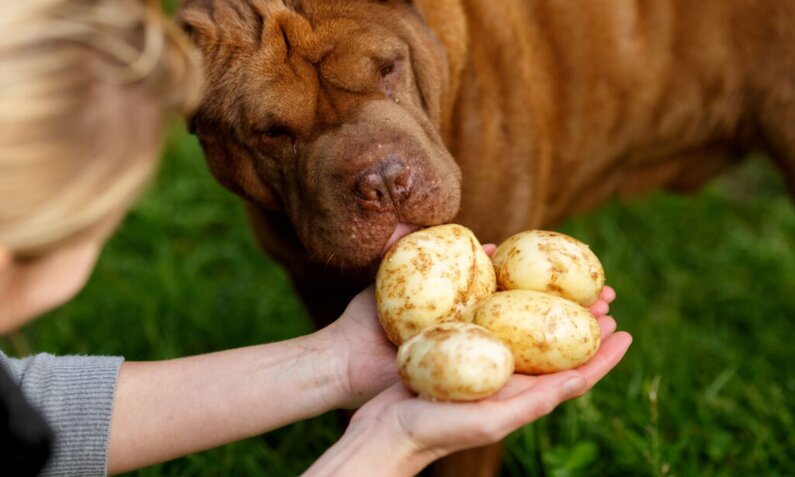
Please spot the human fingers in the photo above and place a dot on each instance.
(607, 325)
(517, 384)
(608, 294)
(489, 248)
(599, 308)
(537, 397)
(602, 304)
(610, 353)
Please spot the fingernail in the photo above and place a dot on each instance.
(574, 386)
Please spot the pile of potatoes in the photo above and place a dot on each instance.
(464, 322)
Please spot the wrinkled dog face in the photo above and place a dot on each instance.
(328, 112)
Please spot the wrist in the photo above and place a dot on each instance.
(372, 448)
(330, 365)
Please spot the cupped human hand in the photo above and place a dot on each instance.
(365, 355)
(424, 431)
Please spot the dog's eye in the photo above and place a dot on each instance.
(387, 69)
(390, 76)
(277, 131)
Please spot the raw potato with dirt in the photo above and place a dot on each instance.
(431, 276)
(455, 362)
(546, 333)
(549, 262)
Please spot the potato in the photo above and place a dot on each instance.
(454, 362)
(549, 262)
(431, 276)
(546, 333)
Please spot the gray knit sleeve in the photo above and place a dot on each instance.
(75, 394)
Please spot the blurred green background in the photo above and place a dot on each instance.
(705, 284)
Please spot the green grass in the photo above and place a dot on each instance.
(705, 283)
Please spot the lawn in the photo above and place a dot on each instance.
(706, 284)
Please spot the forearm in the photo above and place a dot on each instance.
(172, 408)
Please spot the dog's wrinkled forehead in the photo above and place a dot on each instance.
(241, 22)
(279, 52)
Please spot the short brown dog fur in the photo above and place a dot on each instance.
(338, 119)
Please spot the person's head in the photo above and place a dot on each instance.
(84, 90)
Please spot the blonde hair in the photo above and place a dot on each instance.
(84, 87)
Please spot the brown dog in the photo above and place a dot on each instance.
(338, 120)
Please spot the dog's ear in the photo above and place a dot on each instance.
(233, 22)
(195, 19)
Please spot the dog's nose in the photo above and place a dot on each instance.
(386, 184)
